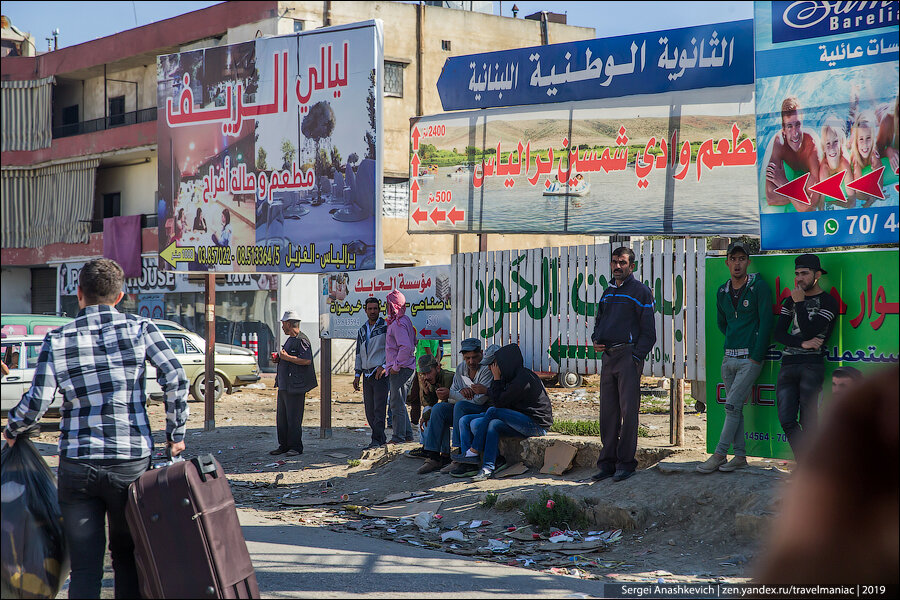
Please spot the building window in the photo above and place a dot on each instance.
(445, 45)
(298, 25)
(70, 115)
(393, 79)
(117, 110)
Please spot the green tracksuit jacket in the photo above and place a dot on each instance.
(750, 324)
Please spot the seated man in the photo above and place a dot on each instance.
(520, 407)
(464, 400)
(436, 387)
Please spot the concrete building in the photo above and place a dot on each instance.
(79, 145)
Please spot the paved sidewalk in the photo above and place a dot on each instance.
(295, 561)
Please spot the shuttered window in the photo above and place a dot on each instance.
(43, 291)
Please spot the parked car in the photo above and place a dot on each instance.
(234, 366)
(20, 353)
(24, 324)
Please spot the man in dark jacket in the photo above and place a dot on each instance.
(520, 407)
(625, 332)
(296, 375)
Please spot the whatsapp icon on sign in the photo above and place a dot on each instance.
(831, 227)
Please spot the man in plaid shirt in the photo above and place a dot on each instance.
(98, 362)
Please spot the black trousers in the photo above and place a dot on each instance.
(797, 392)
(90, 492)
(620, 402)
(289, 420)
(375, 396)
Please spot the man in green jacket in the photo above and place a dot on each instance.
(744, 315)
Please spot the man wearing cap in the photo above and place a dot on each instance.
(295, 376)
(744, 316)
(467, 396)
(370, 367)
(436, 383)
(804, 326)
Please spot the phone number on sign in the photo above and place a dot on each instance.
(764, 436)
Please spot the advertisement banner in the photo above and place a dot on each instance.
(668, 165)
(827, 117)
(705, 56)
(427, 290)
(545, 300)
(865, 283)
(269, 153)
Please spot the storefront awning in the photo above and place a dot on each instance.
(26, 112)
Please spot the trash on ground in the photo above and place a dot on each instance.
(558, 458)
(454, 534)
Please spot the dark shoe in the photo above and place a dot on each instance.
(419, 452)
(462, 458)
(429, 465)
(622, 475)
(278, 451)
(465, 470)
(450, 467)
(373, 445)
(602, 475)
(500, 464)
(293, 452)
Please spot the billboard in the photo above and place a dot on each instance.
(675, 164)
(269, 153)
(827, 115)
(865, 335)
(428, 292)
(705, 56)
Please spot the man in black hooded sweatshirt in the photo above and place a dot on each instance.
(520, 407)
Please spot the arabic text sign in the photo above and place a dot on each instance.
(826, 123)
(428, 293)
(269, 155)
(646, 63)
(589, 167)
(546, 301)
(865, 336)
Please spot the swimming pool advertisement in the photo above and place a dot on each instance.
(865, 336)
(827, 123)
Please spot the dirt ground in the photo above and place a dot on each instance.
(677, 525)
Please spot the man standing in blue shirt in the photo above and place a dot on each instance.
(625, 332)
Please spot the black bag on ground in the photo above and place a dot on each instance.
(33, 556)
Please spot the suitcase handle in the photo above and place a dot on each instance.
(206, 465)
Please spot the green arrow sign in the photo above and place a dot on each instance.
(558, 351)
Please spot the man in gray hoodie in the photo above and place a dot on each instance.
(370, 367)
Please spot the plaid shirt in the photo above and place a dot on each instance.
(98, 362)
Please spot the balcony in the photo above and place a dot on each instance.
(119, 120)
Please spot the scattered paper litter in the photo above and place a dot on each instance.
(423, 519)
(454, 534)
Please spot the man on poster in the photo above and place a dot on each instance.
(296, 375)
(793, 154)
(804, 326)
(625, 332)
(370, 366)
(744, 316)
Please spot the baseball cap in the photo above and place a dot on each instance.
(489, 355)
(470, 345)
(290, 315)
(809, 261)
(426, 363)
(737, 245)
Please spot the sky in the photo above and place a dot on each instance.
(84, 21)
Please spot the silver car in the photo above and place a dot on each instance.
(20, 354)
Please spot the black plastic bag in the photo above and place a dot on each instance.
(35, 560)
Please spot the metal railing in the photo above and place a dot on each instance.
(121, 120)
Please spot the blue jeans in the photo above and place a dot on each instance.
(437, 435)
(497, 422)
(738, 375)
(90, 493)
(399, 386)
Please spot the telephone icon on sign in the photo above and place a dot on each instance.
(808, 228)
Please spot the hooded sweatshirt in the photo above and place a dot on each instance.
(519, 388)
(400, 342)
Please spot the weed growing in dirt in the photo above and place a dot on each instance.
(353, 462)
(554, 510)
(489, 500)
(643, 431)
(576, 427)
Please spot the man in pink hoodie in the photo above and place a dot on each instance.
(399, 350)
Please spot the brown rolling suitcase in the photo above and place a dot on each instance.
(188, 542)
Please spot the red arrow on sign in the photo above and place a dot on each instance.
(425, 331)
(455, 215)
(869, 184)
(414, 190)
(438, 215)
(831, 187)
(415, 138)
(415, 164)
(796, 190)
(441, 332)
(419, 216)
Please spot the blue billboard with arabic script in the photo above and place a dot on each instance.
(688, 58)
